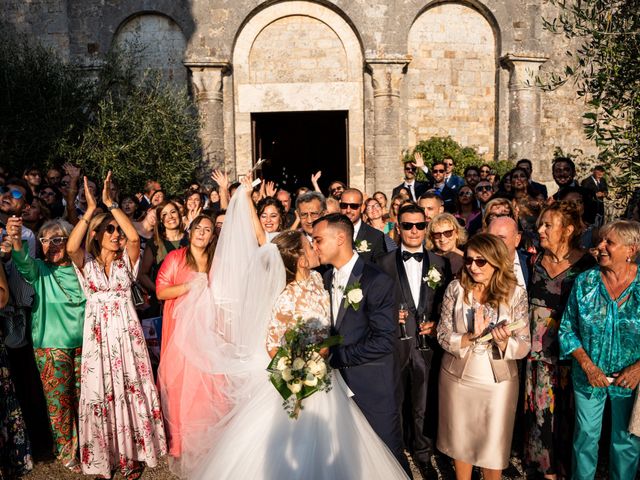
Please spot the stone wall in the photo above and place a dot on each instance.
(452, 78)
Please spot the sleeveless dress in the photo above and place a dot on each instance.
(331, 439)
(120, 419)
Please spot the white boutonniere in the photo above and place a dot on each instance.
(362, 246)
(353, 296)
(433, 278)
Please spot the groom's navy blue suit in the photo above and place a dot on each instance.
(366, 356)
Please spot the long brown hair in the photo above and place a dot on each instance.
(503, 281)
(209, 250)
(95, 231)
(159, 230)
(289, 245)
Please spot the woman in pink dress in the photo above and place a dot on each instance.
(121, 424)
(191, 399)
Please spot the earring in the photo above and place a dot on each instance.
(628, 259)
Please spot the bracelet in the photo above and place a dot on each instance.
(85, 220)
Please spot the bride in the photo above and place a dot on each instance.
(231, 329)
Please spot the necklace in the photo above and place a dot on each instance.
(566, 257)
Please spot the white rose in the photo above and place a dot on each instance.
(311, 380)
(287, 375)
(354, 295)
(282, 363)
(315, 367)
(322, 370)
(434, 275)
(298, 364)
(295, 387)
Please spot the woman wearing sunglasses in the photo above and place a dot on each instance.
(57, 318)
(116, 372)
(483, 329)
(445, 236)
(467, 208)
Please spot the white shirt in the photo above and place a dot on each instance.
(414, 276)
(339, 284)
(356, 229)
(517, 269)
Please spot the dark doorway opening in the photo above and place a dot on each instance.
(298, 144)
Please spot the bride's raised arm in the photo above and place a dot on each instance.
(257, 226)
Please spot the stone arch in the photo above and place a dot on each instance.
(453, 77)
(161, 41)
(276, 70)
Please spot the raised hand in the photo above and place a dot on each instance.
(71, 170)
(418, 160)
(106, 190)
(316, 176)
(270, 189)
(91, 200)
(221, 178)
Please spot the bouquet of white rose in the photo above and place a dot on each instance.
(297, 370)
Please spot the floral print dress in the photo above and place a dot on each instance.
(548, 402)
(120, 419)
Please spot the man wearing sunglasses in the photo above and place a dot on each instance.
(484, 192)
(415, 188)
(410, 267)
(446, 191)
(368, 242)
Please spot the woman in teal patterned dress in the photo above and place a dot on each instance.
(15, 449)
(548, 395)
(600, 331)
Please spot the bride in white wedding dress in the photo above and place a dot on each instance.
(256, 297)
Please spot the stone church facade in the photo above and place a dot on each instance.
(399, 71)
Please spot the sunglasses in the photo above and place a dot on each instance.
(484, 188)
(46, 194)
(409, 169)
(57, 241)
(438, 170)
(410, 225)
(337, 189)
(480, 262)
(15, 193)
(352, 206)
(438, 235)
(466, 193)
(111, 228)
(447, 164)
(484, 170)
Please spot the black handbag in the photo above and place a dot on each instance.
(137, 295)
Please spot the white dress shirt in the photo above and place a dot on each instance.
(356, 229)
(413, 268)
(339, 284)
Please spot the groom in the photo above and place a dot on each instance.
(362, 308)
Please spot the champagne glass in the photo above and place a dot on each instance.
(423, 339)
(403, 313)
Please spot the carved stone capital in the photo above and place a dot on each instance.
(206, 78)
(386, 75)
(523, 69)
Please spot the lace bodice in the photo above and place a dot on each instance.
(306, 300)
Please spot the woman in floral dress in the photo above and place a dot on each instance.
(121, 423)
(548, 393)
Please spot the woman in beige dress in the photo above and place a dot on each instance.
(478, 390)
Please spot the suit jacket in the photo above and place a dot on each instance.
(540, 188)
(430, 298)
(419, 188)
(590, 184)
(524, 258)
(453, 325)
(376, 245)
(365, 358)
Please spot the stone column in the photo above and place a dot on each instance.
(386, 75)
(524, 112)
(206, 78)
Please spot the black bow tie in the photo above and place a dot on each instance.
(417, 255)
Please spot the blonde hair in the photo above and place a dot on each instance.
(627, 230)
(503, 281)
(446, 218)
(499, 202)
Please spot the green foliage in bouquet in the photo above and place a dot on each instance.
(297, 370)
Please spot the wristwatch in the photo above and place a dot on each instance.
(112, 206)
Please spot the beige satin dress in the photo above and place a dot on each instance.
(477, 412)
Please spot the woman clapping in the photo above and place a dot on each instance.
(483, 329)
(120, 420)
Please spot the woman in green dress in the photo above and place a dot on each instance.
(57, 319)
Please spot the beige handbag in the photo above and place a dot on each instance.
(634, 420)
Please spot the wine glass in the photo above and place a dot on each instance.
(403, 313)
(423, 340)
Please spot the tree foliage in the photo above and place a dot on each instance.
(605, 67)
(437, 148)
(41, 101)
(140, 128)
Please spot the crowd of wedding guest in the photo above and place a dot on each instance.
(518, 313)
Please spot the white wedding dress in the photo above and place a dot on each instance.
(224, 332)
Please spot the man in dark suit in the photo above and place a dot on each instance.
(597, 184)
(362, 309)
(415, 188)
(367, 241)
(526, 165)
(421, 278)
